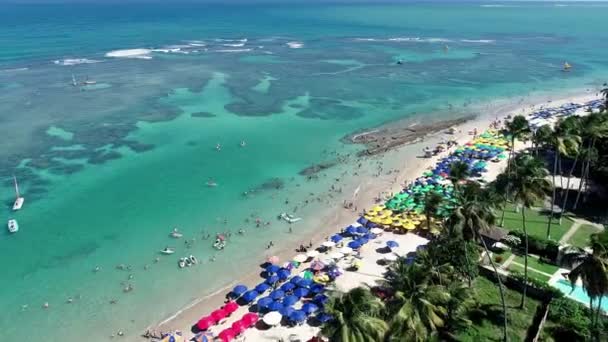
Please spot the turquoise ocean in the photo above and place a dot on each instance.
(108, 169)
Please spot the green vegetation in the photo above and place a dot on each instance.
(485, 317)
(537, 264)
(582, 234)
(569, 320)
(519, 268)
(536, 223)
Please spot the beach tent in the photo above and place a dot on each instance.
(298, 316)
(309, 308)
(290, 300)
(272, 318)
(205, 323)
(301, 292)
(283, 274)
(227, 335)
(277, 294)
(230, 307)
(239, 290)
(272, 269)
(264, 302)
(262, 287)
(219, 314)
(288, 287)
(250, 295)
(275, 306)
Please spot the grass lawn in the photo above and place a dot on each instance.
(531, 274)
(487, 319)
(536, 223)
(537, 264)
(581, 237)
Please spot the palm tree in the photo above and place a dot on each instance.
(517, 128)
(459, 171)
(595, 127)
(572, 125)
(432, 202)
(541, 137)
(470, 220)
(418, 308)
(604, 93)
(563, 143)
(357, 317)
(528, 184)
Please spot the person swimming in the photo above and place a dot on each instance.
(243, 144)
(218, 147)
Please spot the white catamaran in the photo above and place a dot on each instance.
(13, 226)
(19, 200)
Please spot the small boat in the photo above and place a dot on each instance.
(13, 226)
(289, 218)
(243, 144)
(168, 251)
(176, 234)
(399, 62)
(211, 183)
(220, 242)
(19, 200)
(218, 147)
(89, 82)
(192, 259)
(567, 66)
(181, 263)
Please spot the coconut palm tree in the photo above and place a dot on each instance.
(459, 171)
(470, 219)
(418, 309)
(528, 184)
(358, 317)
(595, 128)
(604, 93)
(432, 202)
(541, 137)
(573, 126)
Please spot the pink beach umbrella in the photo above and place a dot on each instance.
(230, 307)
(273, 259)
(226, 335)
(219, 314)
(238, 327)
(205, 323)
(250, 319)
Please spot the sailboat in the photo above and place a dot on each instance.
(567, 66)
(19, 200)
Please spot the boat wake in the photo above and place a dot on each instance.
(75, 61)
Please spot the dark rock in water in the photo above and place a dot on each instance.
(202, 115)
(192, 143)
(316, 168)
(100, 158)
(137, 146)
(271, 184)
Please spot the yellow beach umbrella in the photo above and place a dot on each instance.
(409, 227)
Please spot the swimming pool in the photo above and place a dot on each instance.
(578, 294)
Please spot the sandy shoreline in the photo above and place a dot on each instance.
(336, 217)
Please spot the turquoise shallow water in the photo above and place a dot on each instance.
(108, 169)
(578, 293)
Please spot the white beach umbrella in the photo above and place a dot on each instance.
(312, 253)
(346, 250)
(336, 255)
(390, 257)
(300, 258)
(328, 244)
(272, 318)
(377, 231)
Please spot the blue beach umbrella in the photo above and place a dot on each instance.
(272, 269)
(264, 302)
(262, 287)
(324, 318)
(309, 308)
(317, 288)
(351, 230)
(304, 283)
(362, 230)
(320, 299)
(277, 294)
(301, 292)
(354, 244)
(298, 316)
(286, 311)
(362, 240)
(290, 300)
(272, 279)
(392, 244)
(275, 306)
(336, 238)
(250, 295)
(239, 290)
(288, 287)
(283, 274)
(295, 279)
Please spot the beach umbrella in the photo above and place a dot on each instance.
(317, 288)
(301, 292)
(275, 306)
(392, 244)
(272, 318)
(277, 294)
(324, 318)
(238, 327)
(362, 230)
(239, 290)
(328, 244)
(309, 308)
(262, 287)
(250, 319)
(273, 259)
(227, 335)
(300, 258)
(320, 299)
(287, 287)
(298, 316)
(272, 279)
(230, 307)
(307, 275)
(353, 245)
(219, 314)
(295, 279)
(346, 250)
(290, 300)
(317, 265)
(173, 337)
(264, 302)
(305, 283)
(336, 255)
(312, 253)
(203, 337)
(351, 230)
(377, 231)
(286, 311)
(283, 274)
(250, 295)
(205, 323)
(272, 269)
(336, 238)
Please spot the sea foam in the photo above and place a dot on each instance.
(295, 45)
(130, 53)
(75, 61)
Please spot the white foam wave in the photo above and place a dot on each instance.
(130, 53)
(75, 61)
(13, 70)
(233, 50)
(496, 5)
(234, 45)
(479, 41)
(295, 45)
(405, 39)
(243, 40)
